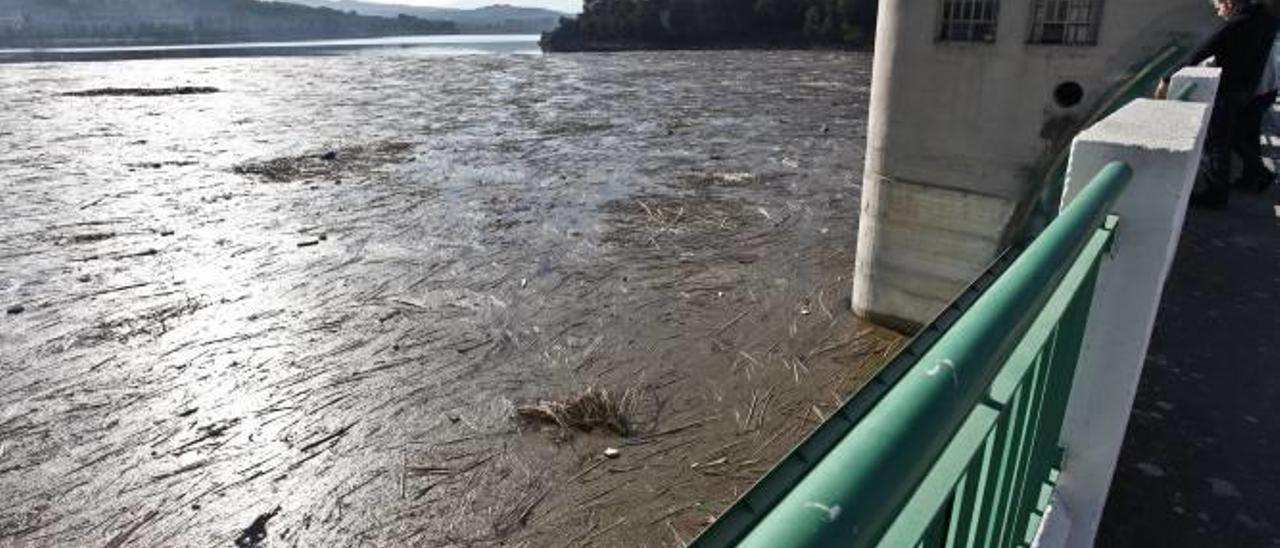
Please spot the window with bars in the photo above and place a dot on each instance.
(1066, 22)
(969, 20)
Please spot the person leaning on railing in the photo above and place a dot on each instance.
(1240, 47)
(1257, 177)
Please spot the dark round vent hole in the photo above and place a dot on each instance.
(1068, 94)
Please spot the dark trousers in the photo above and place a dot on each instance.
(1248, 141)
(1222, 138)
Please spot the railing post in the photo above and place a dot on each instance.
(1162, 141)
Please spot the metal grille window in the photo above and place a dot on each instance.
(969, 20)
(1067, 22)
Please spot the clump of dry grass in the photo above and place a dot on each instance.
(592, 408)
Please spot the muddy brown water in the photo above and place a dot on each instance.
(301, 310)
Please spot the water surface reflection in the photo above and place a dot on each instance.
(323, 289)
(434, 45)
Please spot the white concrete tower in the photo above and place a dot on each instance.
(971, 102)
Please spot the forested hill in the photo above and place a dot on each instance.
(77, 22)
(498, 18)
(634, 24)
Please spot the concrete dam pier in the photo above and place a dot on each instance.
(973, 104)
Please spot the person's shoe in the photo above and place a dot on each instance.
(1209, 200)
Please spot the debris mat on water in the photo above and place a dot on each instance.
(356, 159)
(142, 92)
(593, 408)
(253, 535)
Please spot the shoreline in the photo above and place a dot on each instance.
(510, 43)
(76, 43)
(618, 47)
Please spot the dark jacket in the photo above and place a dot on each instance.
(1241, 46)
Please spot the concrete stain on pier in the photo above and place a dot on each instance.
(327, 287)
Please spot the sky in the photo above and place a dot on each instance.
(567, 6)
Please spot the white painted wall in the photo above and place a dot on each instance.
(1161, 141)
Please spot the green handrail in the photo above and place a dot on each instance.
(1184, 94)
(853, 494)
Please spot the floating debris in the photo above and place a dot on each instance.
(328, 164)
(253, 535)
(158, 165)
(142, 92)
(92, 237)
(717, 462)
(593, 408)
(729, 178)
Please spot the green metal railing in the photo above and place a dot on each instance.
(1142, 79)
(1185, 93)
(955, 443)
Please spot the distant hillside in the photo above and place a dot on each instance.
(496, 19)
(657, 24)
(75, 22)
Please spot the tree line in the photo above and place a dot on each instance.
(55, 22)
(629, 24)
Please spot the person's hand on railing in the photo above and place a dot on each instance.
(1162, 89)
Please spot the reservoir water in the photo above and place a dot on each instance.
(300, 304)
(443, 44)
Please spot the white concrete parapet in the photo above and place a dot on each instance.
(1162, 141)
(1205, 80)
